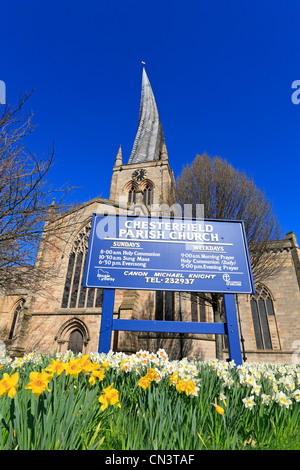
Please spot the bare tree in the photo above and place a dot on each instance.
(227, 193)
(26, 197)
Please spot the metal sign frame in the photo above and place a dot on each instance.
(108, 323)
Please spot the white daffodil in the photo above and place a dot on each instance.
(249, 402)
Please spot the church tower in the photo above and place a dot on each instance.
(147, 178)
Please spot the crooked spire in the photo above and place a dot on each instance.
(149, 138)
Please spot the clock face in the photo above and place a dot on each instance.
(139, 175)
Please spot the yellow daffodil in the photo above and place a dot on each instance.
(8, 385)
(186, 386)
(96, 374)
(181, 386)
(144, 382)
(85, 357)
(218, 408)
(73, 367)
(173, 379)
(56, 367)
(86, 364)
(109, 396)
(96, 366)
(39, 382)
(123, 364)
(152, 375)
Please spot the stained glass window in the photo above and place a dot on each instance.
(75, 295)
(263, 317)
(16, 315)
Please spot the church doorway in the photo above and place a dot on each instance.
(75, 343)
(73, 336)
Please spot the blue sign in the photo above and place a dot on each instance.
(157, 253)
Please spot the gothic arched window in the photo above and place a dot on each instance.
(16, 315)
(263, 317)
(75, 295)
(132, 194)
(147, 194)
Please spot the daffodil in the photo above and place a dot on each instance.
(39, 382)
(296, 395)
(187, 386)
(73, 367)
(152, 374)
(86, 364)
(124, 365)
(145, 382)
(8, 385)
(96, 374)
(283, 400)
(249, 402)
(218, 408)
(56, 367)
(265, 399)
(173, 379)
(109, 396)
(223, 398)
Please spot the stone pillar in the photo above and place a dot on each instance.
(128, 309)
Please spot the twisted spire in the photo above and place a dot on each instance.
(149, 138)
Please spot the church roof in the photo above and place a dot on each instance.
(149, 137)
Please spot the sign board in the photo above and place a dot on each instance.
(157, 253)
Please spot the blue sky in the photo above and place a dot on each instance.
(221, 72)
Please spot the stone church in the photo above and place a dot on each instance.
(64, 315)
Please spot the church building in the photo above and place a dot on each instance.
(64, 315)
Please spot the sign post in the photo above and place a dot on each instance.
(107, 320)
(232, 329)
(156, 253)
